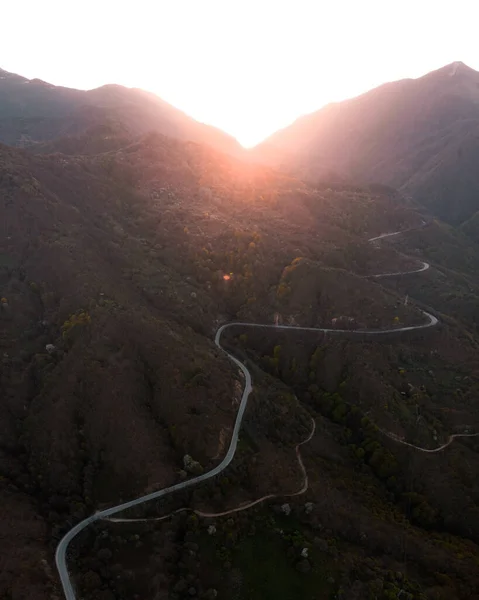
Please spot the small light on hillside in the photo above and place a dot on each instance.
(226, 277)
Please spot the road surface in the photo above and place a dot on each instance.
(424, 267)
(61, 551)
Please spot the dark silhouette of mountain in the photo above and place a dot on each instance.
(34, 111)
(420, 136)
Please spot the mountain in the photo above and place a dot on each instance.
(122, 252)
(116, 269)
(32, 111)
(420, 136)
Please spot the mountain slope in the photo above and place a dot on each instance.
(126, 261)
(117, 261)
(33, 111)
(417, 135)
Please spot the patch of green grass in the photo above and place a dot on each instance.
(267, 562)
(269, 574)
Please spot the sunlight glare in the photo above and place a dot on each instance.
(247, 67)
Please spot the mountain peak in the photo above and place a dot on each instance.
(418, 135)
(459, 67)
(454, 69)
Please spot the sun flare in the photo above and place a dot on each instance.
(246, 67)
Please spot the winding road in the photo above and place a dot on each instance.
(241, 507)
(425, 266)
(62, 548)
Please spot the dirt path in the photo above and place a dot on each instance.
(450, 439)
(241, 507)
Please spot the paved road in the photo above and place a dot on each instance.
(385, 235)
(60, 555)
(424, 267)
(61, 551)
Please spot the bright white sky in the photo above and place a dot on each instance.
(246, 66)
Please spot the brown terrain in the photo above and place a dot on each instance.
(120, 255)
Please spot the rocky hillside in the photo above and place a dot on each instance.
(417, 135)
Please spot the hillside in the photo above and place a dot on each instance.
(34, 111)
(118, 262)
(417, 135)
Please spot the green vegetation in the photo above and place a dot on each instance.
(269, 572)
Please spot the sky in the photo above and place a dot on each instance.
(249, 67)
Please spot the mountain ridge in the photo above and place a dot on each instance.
(402, 133)
(32, 111)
